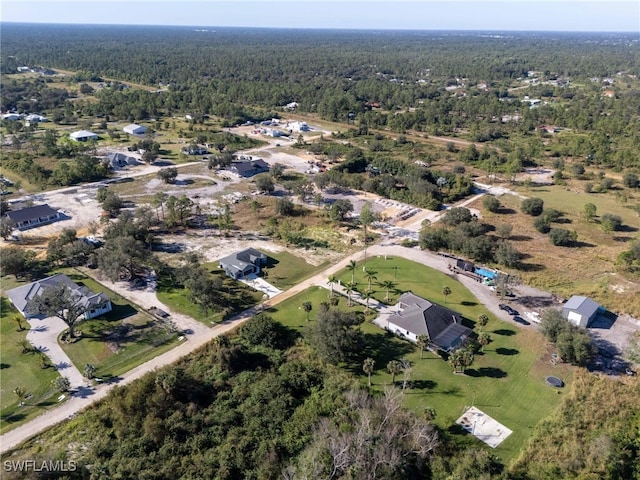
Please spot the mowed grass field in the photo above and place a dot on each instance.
(506, 381)
(587, 268)
(21, 370)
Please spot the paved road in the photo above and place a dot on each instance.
(202, 335)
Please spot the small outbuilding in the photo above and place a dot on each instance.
(83, 136)
(580, 310)
(135, 129)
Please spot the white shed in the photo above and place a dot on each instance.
(83, 136)
(135, 129)
(580, 310)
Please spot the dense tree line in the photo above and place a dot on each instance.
(243, 75)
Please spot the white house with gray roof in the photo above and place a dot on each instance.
(94, 304)
(241, 264)
(580, 310)
(417, 316)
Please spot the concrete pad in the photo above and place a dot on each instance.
(483, 427)
(261, 285)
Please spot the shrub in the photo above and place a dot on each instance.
(630, 180)
(610, 223)
(542, 225)
(562, 237)
(491, 203)
(532, 206)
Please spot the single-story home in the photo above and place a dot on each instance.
(246, 262)
(135, 129)
(94, 304)
(31, 217)
(417, 316)
(35, 118)
(249, 168)
(119, 160)
(580, 310)
(83, 136)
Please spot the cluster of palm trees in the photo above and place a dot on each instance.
(350, 288)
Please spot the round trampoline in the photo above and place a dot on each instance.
(555, 382)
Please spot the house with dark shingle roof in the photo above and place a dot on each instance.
(243, 263)
(94, 304)
(249, 168)
(417, 316)
(31, 217)
(580, 310)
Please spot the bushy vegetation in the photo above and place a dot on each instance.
(573, 343)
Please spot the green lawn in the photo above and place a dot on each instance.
(506, 381)
(117, 342)
(414, 277)
(234, 297)
(284, 270)
(22, 370)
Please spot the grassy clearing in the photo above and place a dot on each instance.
(285, 270)
(22, 370)
(588, 268)
(506, 381)
(414, 277)
(234, 297)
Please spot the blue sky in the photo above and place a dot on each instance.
(541, 15)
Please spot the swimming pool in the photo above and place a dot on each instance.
(486, 273)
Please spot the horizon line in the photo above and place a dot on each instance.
(363, 29)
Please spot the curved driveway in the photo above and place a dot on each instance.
(201, 335)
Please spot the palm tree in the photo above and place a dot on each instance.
(306, 306)
(446, 291)
(483, 320)
(466, 359)
(423, 342)
(349, 289)
(367, 296)
(484, 339)
(89, 371)
(455, 360)
(368, 366)
(394, 367)
(387, 285)
(352, 268)
(332, 280)
(370, 276)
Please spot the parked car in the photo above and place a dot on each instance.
(519, 319)
(508, 309)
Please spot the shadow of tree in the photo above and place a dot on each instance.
(507, 351)
(423, 384)
(504, 332)
(490, 372)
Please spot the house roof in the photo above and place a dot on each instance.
(583, 305)
(31, 213)
(83, 134)
(134, 126)
(121, 159)
(22, 296)
(243, 167)
(238, 261)
(422, 317)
